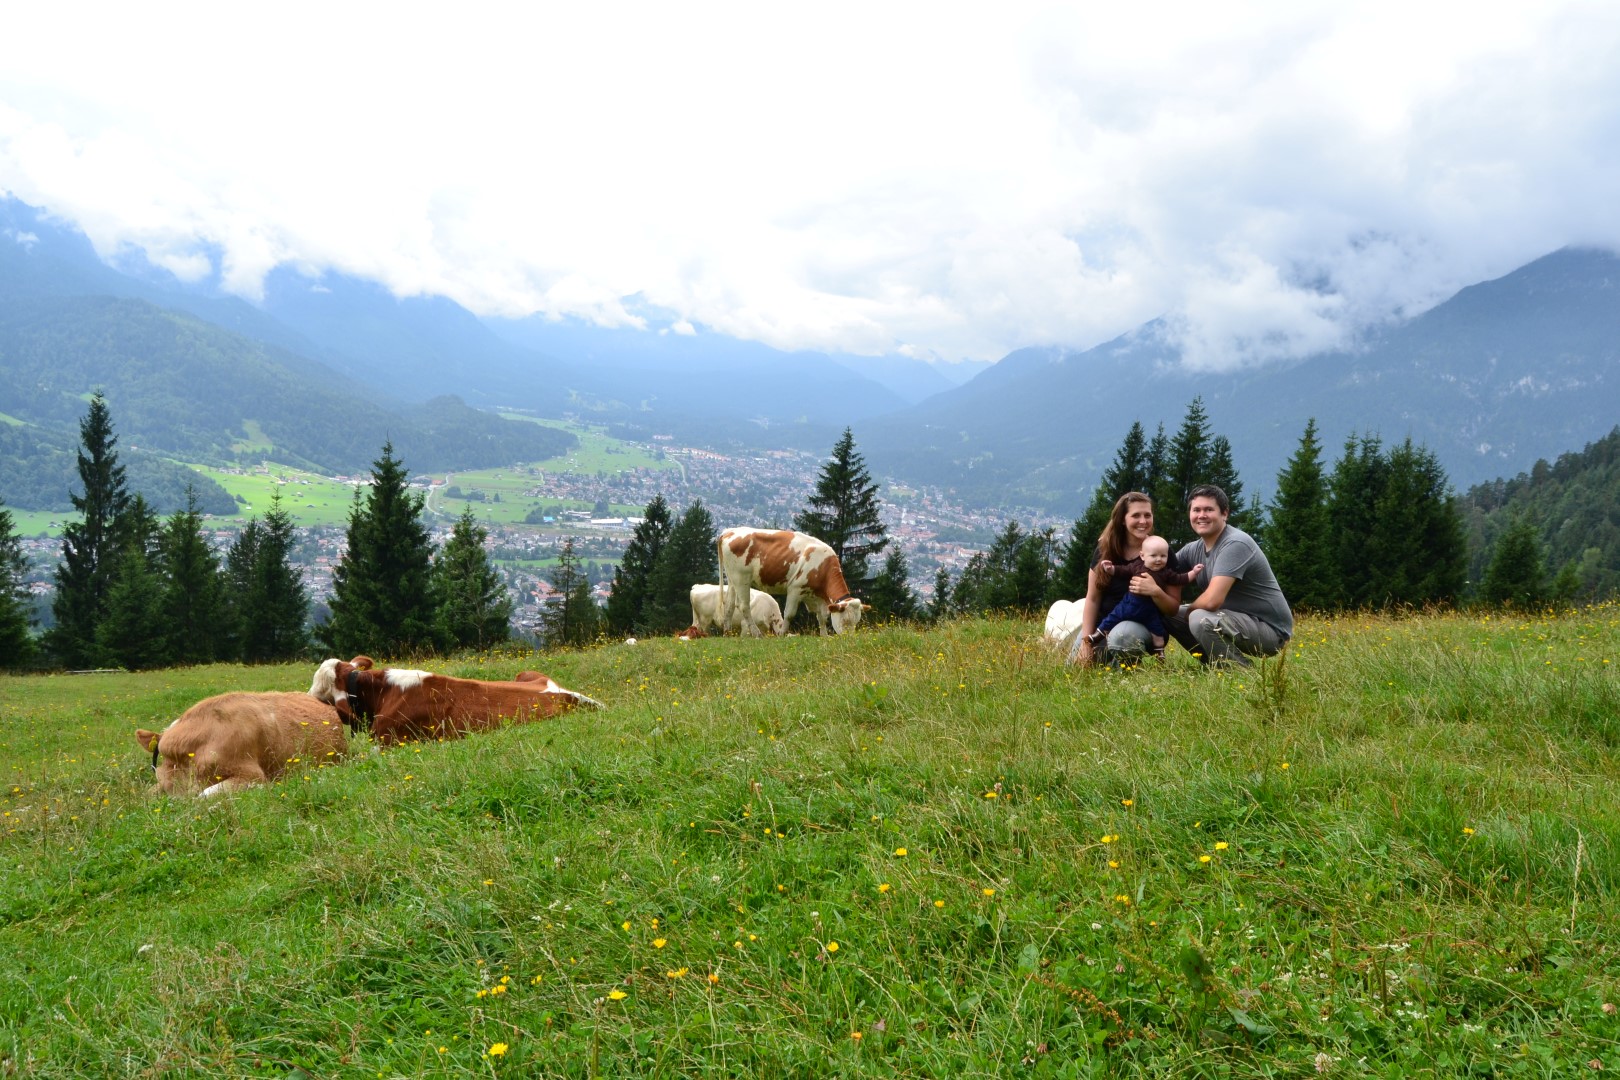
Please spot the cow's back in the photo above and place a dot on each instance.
(249, 736)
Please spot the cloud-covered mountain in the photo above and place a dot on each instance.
(1503, 373)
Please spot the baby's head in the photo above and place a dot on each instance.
(1155, 552)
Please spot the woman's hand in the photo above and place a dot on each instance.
(1144, 585)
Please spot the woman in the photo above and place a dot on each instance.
(1121, 544)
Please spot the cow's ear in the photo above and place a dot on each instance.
(361, 662)
(147, 739)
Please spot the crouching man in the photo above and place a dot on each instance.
(1240, 611)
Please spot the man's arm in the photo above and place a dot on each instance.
(1214, 594)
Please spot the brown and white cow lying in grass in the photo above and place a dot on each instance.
(763, 611)
(401, 703)
(233, 740)
(780, 561)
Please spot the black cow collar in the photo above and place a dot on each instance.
(358, 709)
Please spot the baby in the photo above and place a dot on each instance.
(1133, 607)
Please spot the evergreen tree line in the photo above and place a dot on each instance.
(136, 592)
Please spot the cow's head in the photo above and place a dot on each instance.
(777, 624)
(844, 615)
(331, 684)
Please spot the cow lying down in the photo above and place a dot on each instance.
(233, 740)
(400, 703)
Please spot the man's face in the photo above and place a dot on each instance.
(1205, 517)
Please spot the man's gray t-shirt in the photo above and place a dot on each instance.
(1254, 589)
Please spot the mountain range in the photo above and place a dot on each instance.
(324, 367)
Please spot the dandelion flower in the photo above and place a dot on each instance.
(659, 943)
(992, 794)
(900, 851)
(714, 976)
(1127, 802)
(939, 903)
(1284, 765)
(617, 995)
(989, 892)
(832, 946)
(1113, 864)
(1203, 858)
(496, 1050)
(1220, 845)
(1467, 831)
(885, 887)
(855, 1035)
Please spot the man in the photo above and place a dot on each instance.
(1241, 611)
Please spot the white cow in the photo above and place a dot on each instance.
(1063, 620)
(784, 563)
(763, 610)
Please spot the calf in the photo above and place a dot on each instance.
(400, 703)
(782, 562)
(233, 740)
(763, 611)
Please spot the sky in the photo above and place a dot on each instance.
(943, 181)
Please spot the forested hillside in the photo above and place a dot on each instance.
(189, 390)
(1574, 505)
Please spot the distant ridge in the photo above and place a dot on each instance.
(1504, 372)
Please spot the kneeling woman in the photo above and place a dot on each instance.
(1120, 545)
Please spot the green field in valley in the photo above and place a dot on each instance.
(901, 852)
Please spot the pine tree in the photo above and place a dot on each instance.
(16, 643)
(475, 611)
(281, 631)
(1356, 485)
(969, 594)
(132, 634)
(940, 606)
(1032, 572)
(626, 606)
(843, 512)
(1074, 561)
(891, 596)
(1416, 533)
(1133, 469)
(1219, 470)
(1299, 540)
(1517, 575)
(687, 559)
(240, 561)
(1187, 461)
(382, 589)
(193, 600)
(90, 546)
(569, 617)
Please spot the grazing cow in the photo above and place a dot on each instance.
(399, 703)
(233, 740)
(782, 562)
(763, 611)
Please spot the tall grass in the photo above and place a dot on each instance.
(902, 852)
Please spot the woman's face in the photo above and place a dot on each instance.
(1139, 521)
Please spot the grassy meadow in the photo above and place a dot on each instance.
(897, 853)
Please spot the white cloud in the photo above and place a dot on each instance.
(934, 181)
